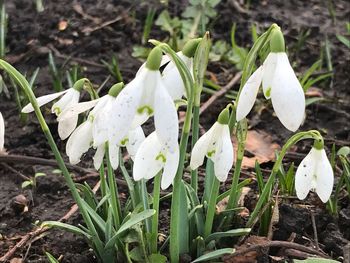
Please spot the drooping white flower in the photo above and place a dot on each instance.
(172, 78)
(279, 83)
(314, 173)
(96, 131)
(216, 145)
(2, 132)
(143, 97)
(69, 98)
(151, 157)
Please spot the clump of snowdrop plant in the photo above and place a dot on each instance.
(159, 160)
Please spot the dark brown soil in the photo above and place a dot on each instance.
(30, 37)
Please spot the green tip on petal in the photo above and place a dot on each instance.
(190, 47)
(224, 116)
(79, 84)
(277, 41)
(115, 89)
(154, 59)
(319, 143)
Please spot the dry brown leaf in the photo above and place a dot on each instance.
(314, 92)
(16, 260)
(62, 25)
(260, 145)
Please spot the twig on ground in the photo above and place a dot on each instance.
(8, 167)
(11, 158)
(79, 60)
(220, 93)
(275, 243)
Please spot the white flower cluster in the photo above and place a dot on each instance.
(116, 119)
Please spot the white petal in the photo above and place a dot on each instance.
(165, 118)
(67, 126)
(98, 157)
(304, 176)
(135, 138)
(248, 94)
(76, 109)
(43, 100)
(69, 99)
(269, 68)
(124, 109)
(170, 168)
(223, 158)
(287, 95)
(101, 122)
(324, 176)
(201, 147)
(146, 165)
(172, 78)
(113, 151)
(79, 142)
(2, 132)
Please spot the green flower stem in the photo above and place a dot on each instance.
(266, 192)
(116, 210)
(23, 83)
(156, 196)
(103, 188)
(195, 135)
(129, 181)
(145, 204)
(211, 208)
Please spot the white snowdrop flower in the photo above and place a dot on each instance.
(216, 145)
(70, 97)
(2, 133)
(279, 83)
(151, 157)
(314, 173)
(172, 78)
(98, 129)
(143, 97)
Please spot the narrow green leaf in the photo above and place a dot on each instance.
(67, 227)
(51, 258)
(130, 223)
(230, 233)
(215, 254)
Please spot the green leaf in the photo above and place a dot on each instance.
(27, 183)
(130, 223)
(315, 260)
(345, 151)
(344, 40)
(140, 52)
(313, 100)
(157, 258)
(39, 174)
(215, 254)
(56, 171)
(67, 227)
(51, 258)
(230, 233)
(136, 254)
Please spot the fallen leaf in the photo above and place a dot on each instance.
(16, 260)
(62, 25)
(259, 144)
(314, 92)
